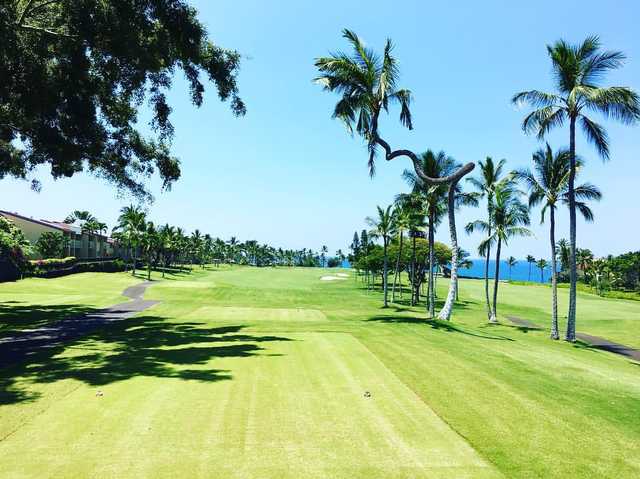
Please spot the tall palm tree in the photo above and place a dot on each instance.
(549, 184)
(578, 71)
(564, 254)
(149, 243)
(509, 216)
(435, 196)
(383, 227)
(531, 260)
(323, 255)
(131, 224)
(542, 265)
(511, 262)
(402, 221)
(489, 176)
(367, 84)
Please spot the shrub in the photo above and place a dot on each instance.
(14, 248)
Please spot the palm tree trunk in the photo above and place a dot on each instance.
(447, 308)
(486, 277)
(413, 272)
(385, 272)
(573, 274)
(397, 271)
(431, 286)
(494, 312)
(554, 282)
(529, 277)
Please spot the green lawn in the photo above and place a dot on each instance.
(244, 372)
(614, 319)
(36, 302)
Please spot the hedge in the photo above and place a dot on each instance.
(47, 270)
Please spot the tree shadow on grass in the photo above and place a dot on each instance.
(436, 324)
(16, 315)
(145, 345)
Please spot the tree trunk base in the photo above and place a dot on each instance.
(493, 319)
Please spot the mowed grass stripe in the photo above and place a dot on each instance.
(296, 409)
(241, 314)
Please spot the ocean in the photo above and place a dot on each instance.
(519, 272)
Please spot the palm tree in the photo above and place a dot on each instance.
(383, 227)
(542, 265)
(463, 262)
(531, 260)
(508, 218)
(149, 242)
(131, 224)
(367, 84)
(435, 165)
(323, 255)
(578, 70)
(511, 262)
(402, 222)
(549, 184)
(489, 176)
(88, 223)
(564, 254)
(584, 258)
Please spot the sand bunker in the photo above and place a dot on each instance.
(331, 278)
(343, 275)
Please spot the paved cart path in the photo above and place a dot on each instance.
(27, 343)
(594, 341)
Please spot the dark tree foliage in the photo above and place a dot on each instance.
(73, 74)
(51, 245)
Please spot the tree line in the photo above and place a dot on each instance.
(367, 84)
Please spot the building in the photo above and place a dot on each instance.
(81, 245)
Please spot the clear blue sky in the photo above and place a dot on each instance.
(289, 175)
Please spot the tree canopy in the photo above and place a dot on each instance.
(75, 72)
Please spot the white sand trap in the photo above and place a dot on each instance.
(331, 278)
(343, 275)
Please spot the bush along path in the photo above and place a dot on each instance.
(596, 342)
(27, 343)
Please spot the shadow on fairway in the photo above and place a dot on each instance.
(15, 315)
(436, 324)
(141, 346)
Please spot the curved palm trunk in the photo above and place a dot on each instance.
(573, 273)
(431, 301)
(445, 312)
(554, 282)
(494, 311)
(385, 272)
(529, 277)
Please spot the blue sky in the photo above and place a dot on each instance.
(289, 175)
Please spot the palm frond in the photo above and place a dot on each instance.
(585, 211)
(618, 103)
(536, 99)
(596, 135)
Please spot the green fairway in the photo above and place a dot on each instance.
(263, 372)
(614, 319)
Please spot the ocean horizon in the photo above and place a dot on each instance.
(519, 272)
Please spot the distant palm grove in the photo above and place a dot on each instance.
(367, 85)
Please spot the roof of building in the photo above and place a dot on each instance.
(58, 225)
